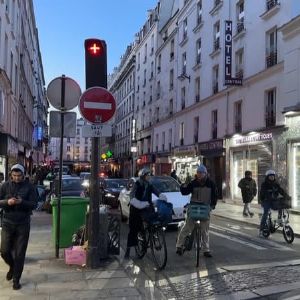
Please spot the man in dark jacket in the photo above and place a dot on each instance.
(17, 198)
(269, 194)
(249, 191)
(202, 190)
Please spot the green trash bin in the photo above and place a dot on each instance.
(72, 216)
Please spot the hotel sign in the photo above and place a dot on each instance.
(185, 151)
(259, 137)
(213, 145)
(228, 56)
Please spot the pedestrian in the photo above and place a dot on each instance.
(17, 198)
(1, 178)
(249, 191)
(202, 190)
(174, 175)
(270, 192)
(1, 210)
(141, 199)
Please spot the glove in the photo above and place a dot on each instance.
(138, 203)
(163, 197)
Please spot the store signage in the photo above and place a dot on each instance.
(259, 137)
(229, 80)
(185, 151)
(218, 144)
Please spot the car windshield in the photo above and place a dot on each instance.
(115, 183)
(165, 184)
(71, 184)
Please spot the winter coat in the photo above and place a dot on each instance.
(142, 190)
(201, 191)
(248, 189)
(270, 190)
(20, 213)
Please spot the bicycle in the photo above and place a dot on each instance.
(153, 236)
(197, 212)
(272, 226)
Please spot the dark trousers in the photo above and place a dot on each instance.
(14, 241)
(135, 225)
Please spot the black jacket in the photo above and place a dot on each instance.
(270, 190)
(143, 190)
(202, 192)
(20, 213)
(248, 189)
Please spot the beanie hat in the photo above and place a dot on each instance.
(18, 167)
(248, 173)
(202, 169)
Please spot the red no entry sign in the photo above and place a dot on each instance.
(97, 105)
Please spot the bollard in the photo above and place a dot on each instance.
(103, 236)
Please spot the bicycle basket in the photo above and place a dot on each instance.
(281, 203)
(164, 211)
(198, 211)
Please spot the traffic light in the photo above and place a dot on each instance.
(95, 63)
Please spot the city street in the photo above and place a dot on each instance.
(242, 263)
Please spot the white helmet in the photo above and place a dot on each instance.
(144, 172)
(270, 172)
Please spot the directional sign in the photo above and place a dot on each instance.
(96, 130)
(97, 105)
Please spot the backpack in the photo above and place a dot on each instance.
(164, 211)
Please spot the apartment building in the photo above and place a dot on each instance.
(23, 105)
(250, 121)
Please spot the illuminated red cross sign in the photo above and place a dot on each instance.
(95, 49)
(97, 105)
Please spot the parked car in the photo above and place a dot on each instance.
(165, 184)
(111, 188)
(71, 186)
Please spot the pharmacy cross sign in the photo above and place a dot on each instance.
(97, 105)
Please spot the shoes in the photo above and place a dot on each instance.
(16, 285)
(245, 215)
(9, 274)
(251, 214)
(179, 251)
(207, 254)
(127, 254)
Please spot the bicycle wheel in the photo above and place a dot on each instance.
(197, 244)
(141, 247)
(158, 247)
(267, 228)
(288, 234)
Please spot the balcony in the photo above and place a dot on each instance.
(238, 126)
(271, 59)
(240, 26)
(270, 117)
(272, 3)
(272, 7)
(216, 45)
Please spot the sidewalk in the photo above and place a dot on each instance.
(231, 210)
(46, 277)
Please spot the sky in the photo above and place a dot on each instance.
(63, 25)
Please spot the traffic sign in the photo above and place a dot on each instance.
(96, 130)
(72, 93)
(97, 105)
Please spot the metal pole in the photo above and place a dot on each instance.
(60, 164)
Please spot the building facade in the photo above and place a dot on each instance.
(23, 104)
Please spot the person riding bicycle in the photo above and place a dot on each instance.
(141, 198)
(202, 190)
(269, 194)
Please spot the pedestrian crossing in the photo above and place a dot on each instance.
(240, 237)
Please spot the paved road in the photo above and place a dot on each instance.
(243, 264)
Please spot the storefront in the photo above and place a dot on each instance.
(213, 156)
(252, 152)
(8, 153)
(185, 161)
(163, 165)
(146, 161)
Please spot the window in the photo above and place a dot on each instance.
(159, 63)
(216, 44)
(158, 90)
(157, 114)
(197, 89)
(68, 140)
(271, 108)
(68, 157)
(271, 49)
(214, 123)
(78, 131)
(152, 70)
(157, 142)
(181, 134)
(271, 3)
(171, 80)
(152, 44)
(145, 76)
(184, 33)
(196, 129)
(138, 61)
(163, 141)
(145, 53)
(171, 107)
(215, 80)
(199, 12)
(198, 51)
(183, 71)
(183, 98)
(172, 50)
(68, 148)
(86, 140)
(239, 63)
(238, 116)
(240, 26)
(170, 139)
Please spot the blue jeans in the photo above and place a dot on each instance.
(266, 206)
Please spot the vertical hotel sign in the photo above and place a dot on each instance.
(229, 80)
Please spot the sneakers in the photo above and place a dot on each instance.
(16, 285)
(9, 274)
(245, 215)
(251, 214)
(179, 251)
(207, 254)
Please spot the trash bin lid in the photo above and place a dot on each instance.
(69, 200)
